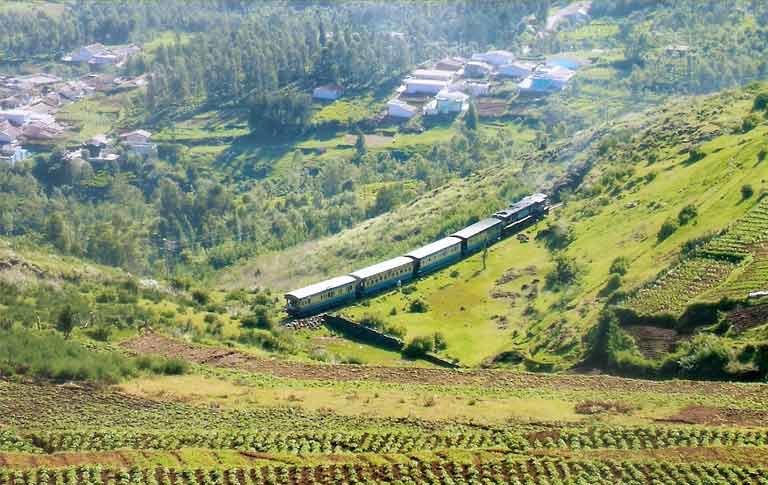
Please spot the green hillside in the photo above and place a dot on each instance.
(645, 169)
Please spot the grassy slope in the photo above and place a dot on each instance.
(622, 224)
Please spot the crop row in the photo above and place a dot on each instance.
(673, 290)
(508, 471)
(399, 442)
(10, 441)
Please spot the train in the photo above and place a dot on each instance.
(342, 290)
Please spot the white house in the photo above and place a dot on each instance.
(447, 102)
(328, 92)
(12, 153)
(424, 86)
(433, 74)
(495, 58)
(138, 142)
(400, 109)
(105, 59)
(518, 69)
(86, 53)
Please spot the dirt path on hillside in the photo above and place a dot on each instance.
(233, 359)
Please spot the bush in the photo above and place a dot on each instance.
(50, 356)
(440, 342)
(762, 154)
(687, 214)
(556, 236)
(749, 123)
(619, 266)
(419, 346)
(161, 365)
(418, 306)
(260, 318)
(200, 297)
(761, 102)
(695, 155)
(613, 284)
(565, 272)
(747, 191)
(667, 229)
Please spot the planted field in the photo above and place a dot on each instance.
(507, 471)
(705, 273)
(682, 283)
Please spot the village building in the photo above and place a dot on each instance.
(571, 16)
(495, 58)
(329, 92)
(12, 153)
(432, 74)
(85, 53)
(424, 86)
(517, 69)
(477, 69)
(452, 64)
(138, 142)
(400, 109)
(471, 88)
(447, 102)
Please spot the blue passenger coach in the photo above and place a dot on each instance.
(436, 255)
(321, 296)
(479, 235)
(383, 275)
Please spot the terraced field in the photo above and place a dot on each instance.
(732, 264)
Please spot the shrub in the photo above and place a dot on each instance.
(747, 191)
(160, 365)
(440, 342)
(419, 346)
(556, 236)
(761, 102)
(200, 297)
(613, 284)
(50, 356)
(749, 123)
(260, 318)
(667, 229)
(687, 214)
(418, 306)
(695, 155)
(619, 266)
(762, 154)
(565, 272)
(65, 322)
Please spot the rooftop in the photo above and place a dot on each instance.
(322, 286)
(434, 247)
(381, 267)
(477, 228)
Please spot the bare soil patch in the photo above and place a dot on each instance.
(602, 407)
(747, 318)
(654, 342)
(718, 416)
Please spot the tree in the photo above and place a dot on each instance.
(360, 148)
(747, 191)
(687, 214)
(667, 229)
(565, 272)
(419, 346)
(65, 322)
(471, 118)
(619, 266)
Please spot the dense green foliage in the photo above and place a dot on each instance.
(49, 356)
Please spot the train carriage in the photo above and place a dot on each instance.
(384, 275)
(479, 235)
(436, 255)
(321, 296)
